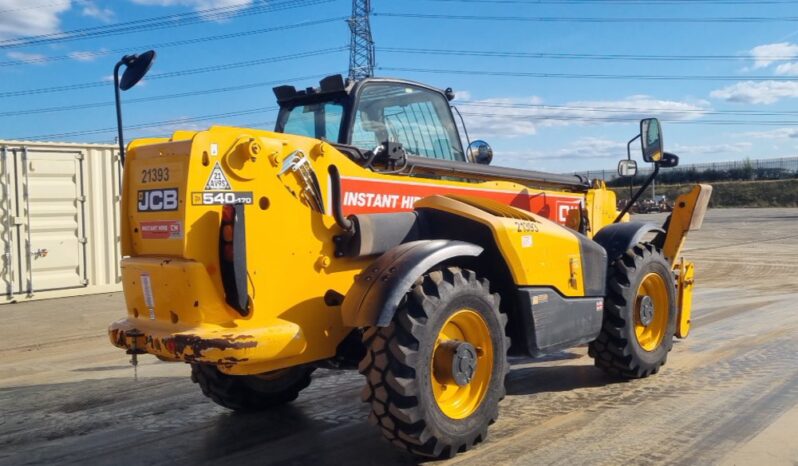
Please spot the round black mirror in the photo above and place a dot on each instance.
(480, 152)
(137, 67)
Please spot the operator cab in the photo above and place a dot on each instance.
(373, 120)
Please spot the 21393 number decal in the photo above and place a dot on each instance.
(527, 227)
(155, 175)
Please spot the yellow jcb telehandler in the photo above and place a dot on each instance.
(361, 234)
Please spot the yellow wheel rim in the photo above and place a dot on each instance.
(651, 312)
(454, 400)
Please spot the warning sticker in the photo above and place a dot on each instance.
(146, 288)
(217, 181)
(162, 229)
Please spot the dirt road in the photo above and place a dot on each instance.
(728, 395)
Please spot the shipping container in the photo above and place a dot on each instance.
(59, 222)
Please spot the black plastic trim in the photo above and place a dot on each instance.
(464, 170)
(553, 322)
(594, 266)
(234, 276)
(377, 291)
(617, 238)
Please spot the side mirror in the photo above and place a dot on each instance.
(627, 168)
(480, 152)
(651, 140)
(136, 67)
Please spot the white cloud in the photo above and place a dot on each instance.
(86, 55)
(762, 92)
(701, 149)
(90, 9)
(230, 6)
(766, 54)
(588, 148)
(790, 69)
(604, 150)
(21, 19)
(513, 117)
(593, 148)
(29, 58)
(778, 133)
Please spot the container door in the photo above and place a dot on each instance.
(9, 253)
(54, 253)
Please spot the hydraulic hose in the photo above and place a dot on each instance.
(337, 205)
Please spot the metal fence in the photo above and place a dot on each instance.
(786, 167)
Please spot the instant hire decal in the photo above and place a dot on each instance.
(162, 229)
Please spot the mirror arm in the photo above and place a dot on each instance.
(462, 122)
(637, 194)
(629, 157)
(119, 111)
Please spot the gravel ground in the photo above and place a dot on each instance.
(728, 395)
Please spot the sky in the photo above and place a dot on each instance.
(555, 85)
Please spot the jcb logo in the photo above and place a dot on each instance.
(157, 200)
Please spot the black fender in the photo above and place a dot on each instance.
(373, 299)
(617, 238)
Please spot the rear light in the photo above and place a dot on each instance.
(227, 233)
(233, 257)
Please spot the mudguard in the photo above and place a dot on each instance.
(373, 299)
(619, 237)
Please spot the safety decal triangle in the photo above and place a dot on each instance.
(217, 181)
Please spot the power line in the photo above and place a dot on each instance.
(158, 22)
(468, 103)
(203, 92)
(588, 119)
(173, 74)
(216, 116)
(628, 119)
(256, 125)
(593, 75)
(622, 2)
(587, 19)
(574, 56)
(176, 43)
(621, 109)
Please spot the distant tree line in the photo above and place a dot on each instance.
(746, 170)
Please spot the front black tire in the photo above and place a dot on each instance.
(619, 350)
(251, 392)
(399, 365)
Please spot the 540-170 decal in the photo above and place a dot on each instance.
(221, 197)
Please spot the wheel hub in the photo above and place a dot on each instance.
(457, 362)
(646, 310)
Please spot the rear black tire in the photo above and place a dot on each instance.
(398, 362)
(617, 350)
(251, 392)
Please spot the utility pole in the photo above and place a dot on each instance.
(361, 46)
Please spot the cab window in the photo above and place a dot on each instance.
(417, 118)
(316, 120)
